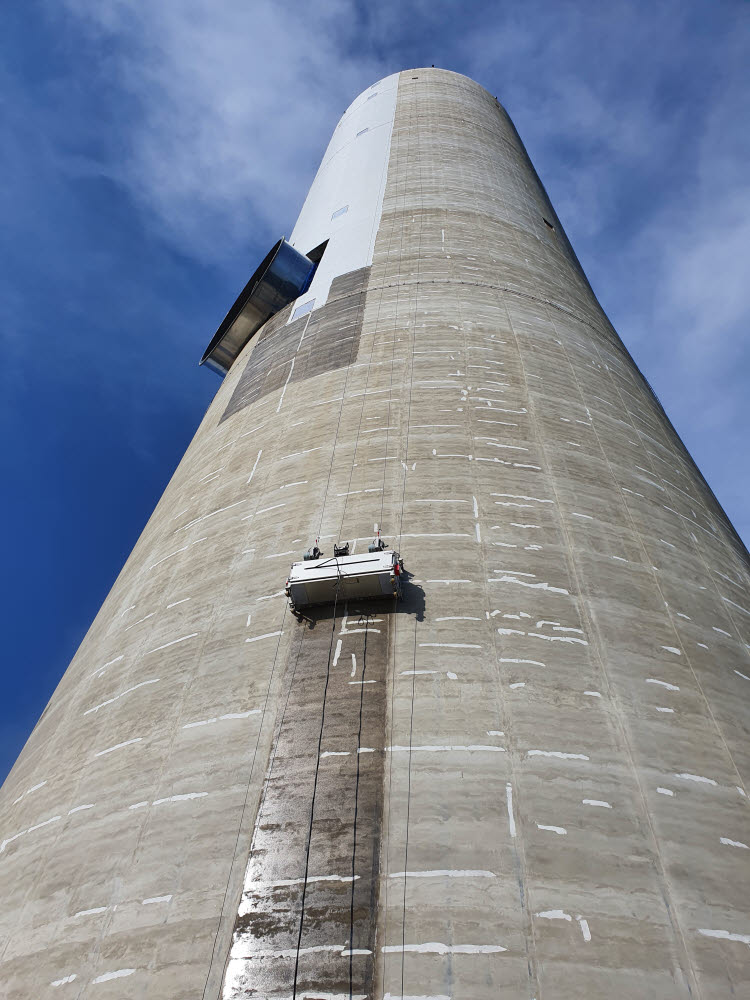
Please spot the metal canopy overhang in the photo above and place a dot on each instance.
(284, 274)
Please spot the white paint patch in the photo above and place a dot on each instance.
(664, 791)
(118, 746)
(553, 915)
(596, 802)
(733, 843)
(154, 680)
(556, 753)
(445, 873)
(100, 670)
(175, 603)
(213, 513)
(307, 451)
(435, 534)
(180, 798)
(31, 829)
(509, 803)
(30, 790)
(263, 510)
(437, 948)
(725, 935)
(584, 925)
(451, 676)
(558, 638)
(664, 709)
(174, 642)
(553, 829)
(220, 718)
(533, 586)
(593, 694)
(268, 597)
(337, 653)
(743, 676)
(75, 809)
(459, 618)
(334, 753)
(520, 496)
(281, 883)
(587, 516)
(87, 913)
(255, 465)
(438, 748)
(673, 649)
(266, 635)
(119, 974)
(133, 625)
(453, 645)
(421, 996)
(518, 684)
(156, 899)
(665, 684)
(697, 777)
(62, 982)
(513, 659)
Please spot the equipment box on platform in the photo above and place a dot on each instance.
(329, 579)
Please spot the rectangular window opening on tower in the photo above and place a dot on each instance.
(304, 309)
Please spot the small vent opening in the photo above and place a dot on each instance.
(546, 222)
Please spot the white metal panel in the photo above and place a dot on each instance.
(352, 175)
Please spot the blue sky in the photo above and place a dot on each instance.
(152, 152)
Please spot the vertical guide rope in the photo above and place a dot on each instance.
(413, 130)
(314, 793)
(354, 825)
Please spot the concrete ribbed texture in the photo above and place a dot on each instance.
(526, 779)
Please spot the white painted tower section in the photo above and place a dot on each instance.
(345, 200)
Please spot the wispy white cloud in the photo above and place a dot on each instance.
(634, 119)
(231, 105)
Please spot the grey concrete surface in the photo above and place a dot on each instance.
(525, 780)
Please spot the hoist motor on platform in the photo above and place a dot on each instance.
(321, 579)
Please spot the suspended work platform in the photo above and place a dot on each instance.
(339, 578)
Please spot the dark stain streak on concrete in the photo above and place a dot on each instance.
(339, 914)
(331, 341)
